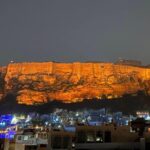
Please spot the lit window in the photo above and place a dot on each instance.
(25, 138)
(90, 137)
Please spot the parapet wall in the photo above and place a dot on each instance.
(77, 68)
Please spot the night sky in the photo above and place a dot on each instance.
(74, 30)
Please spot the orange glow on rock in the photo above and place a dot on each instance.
(71, 82)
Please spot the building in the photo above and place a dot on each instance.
(128, 62)
(108, 136)
(59, 139)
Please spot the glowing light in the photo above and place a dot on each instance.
(99, 139)
(46, 123)
(77, 114)
(2, 124)
(14, 120)
(28, 119)
(147, 118)
(37, 127)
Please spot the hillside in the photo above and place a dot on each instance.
(38, 83)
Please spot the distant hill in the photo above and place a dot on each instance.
(38, 83)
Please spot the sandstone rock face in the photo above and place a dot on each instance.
(2, 81)
(71, 82)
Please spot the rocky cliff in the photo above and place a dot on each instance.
(34, 83)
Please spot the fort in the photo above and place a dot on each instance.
(39, 82)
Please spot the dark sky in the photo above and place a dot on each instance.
(74, 30)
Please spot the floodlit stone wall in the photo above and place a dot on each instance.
(37, 82)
